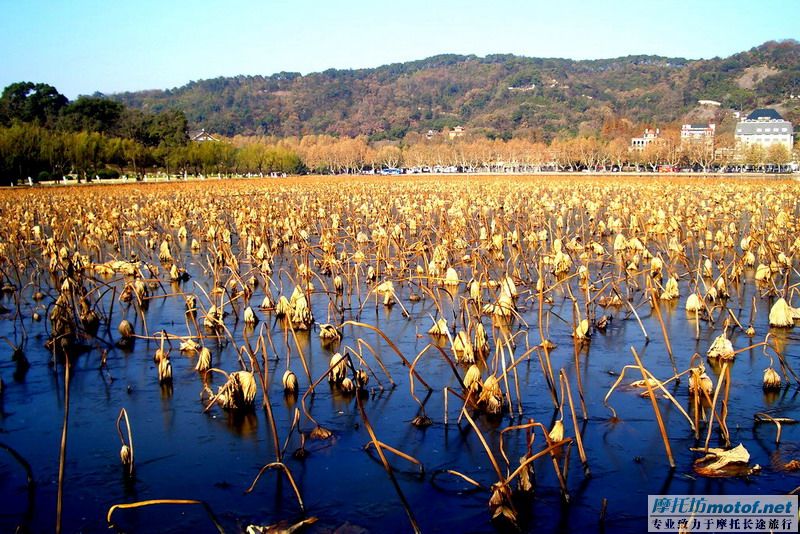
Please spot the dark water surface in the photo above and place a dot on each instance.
(184, 453)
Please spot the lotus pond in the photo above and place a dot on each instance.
(462, 354)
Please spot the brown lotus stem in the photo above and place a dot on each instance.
(156, 502)
(390, 343)
(462, 476)
(289, 477)
(552, 446)
(578, 438)
(657, 412)
(638, 319)
(386, 465)
(128, 461)
(657, 310)
(579, 381)
(722, 377)
(62, 455)
(360, 342)
(397, 452)
(492, 459)
(759, 417)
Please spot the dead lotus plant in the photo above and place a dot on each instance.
(237, 393)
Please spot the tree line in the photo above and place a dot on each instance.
(43, 136)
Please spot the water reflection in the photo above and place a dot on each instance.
(243, 423)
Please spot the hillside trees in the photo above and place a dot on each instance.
(29, 102)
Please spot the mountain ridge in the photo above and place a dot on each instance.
(499, 95)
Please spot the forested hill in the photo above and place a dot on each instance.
(500, 95)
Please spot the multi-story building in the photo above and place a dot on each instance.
(650, 135)
(458, 131)
(698, 134)
(764, 127)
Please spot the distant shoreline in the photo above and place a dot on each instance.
(161, 179)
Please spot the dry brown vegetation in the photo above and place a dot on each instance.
(488, 255)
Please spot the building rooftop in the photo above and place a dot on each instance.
(781, 127)
(764, 113)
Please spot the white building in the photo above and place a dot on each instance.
(200, 136)
(764, 127)
(458, 131)
(650, 135)
(698, 134)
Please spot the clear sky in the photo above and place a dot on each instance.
(83, 46)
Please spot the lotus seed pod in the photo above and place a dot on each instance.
(475, 290)
(203, 360)
(700, 382)
(125, 328)
(439, 328)
(289, 381)
(557, 432)
(250, 316)
(362, 378)
(781, 314)
(125, 456)
(347, 385)
(164, 370)
(267, 303)
(721, 348)
(164, 253)
(693, 303)
(451, 277)
(159, 355)
(140, 289)
(772, 380)
(671, 290)
(283, 307)
(582, 330)
(338, 366)
(472, 378)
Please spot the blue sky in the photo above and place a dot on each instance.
(83, 46)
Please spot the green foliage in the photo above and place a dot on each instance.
(107, 174)
(91, 114)
(29, 102)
